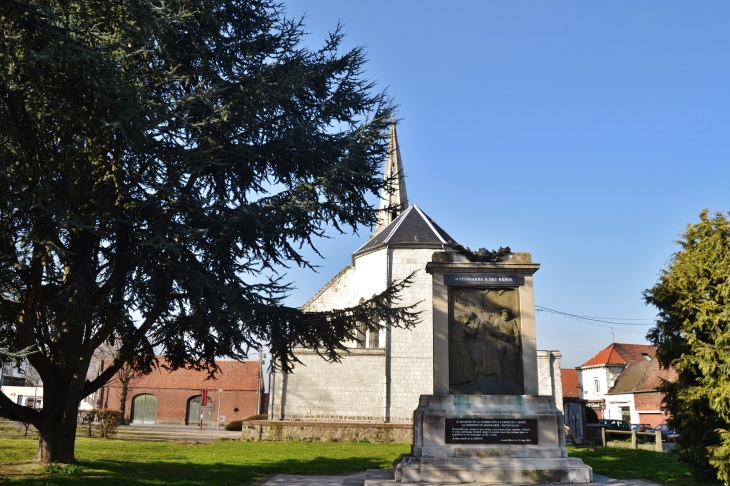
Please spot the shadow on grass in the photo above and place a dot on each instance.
(662, 467)
(184, 474)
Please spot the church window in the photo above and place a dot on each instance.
(374, 339)
(360, 334)
(361, 331)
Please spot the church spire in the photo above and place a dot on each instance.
(394, 199)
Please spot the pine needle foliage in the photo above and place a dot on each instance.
(693, 335)
(158, 162)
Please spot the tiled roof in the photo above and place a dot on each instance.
(233, 376)
(621, 354)
(413, 228)
(571, 385)
(656, 377)
(642, 376)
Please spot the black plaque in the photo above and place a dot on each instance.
(491, 431)
(484, 279)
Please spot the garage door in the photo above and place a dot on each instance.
(144, 409)
(192, 417)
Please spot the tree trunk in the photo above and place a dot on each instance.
(58, 419)
(123, 401)
(56, 442)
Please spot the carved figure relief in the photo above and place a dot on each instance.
(485, 347)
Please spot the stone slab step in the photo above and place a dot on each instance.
(384, 477)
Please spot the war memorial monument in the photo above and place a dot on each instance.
(485, 421)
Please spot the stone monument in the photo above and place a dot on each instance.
(486, 422)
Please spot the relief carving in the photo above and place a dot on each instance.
(485, 347)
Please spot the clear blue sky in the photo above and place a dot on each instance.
(586, 133)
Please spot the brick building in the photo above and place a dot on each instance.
(635, 393)
(174, 397)
(621, 382)
(384, 374)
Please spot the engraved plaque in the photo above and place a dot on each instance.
(491, 431)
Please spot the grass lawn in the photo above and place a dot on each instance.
(661, 467)
(122, 462)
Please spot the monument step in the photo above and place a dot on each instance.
(380, 477)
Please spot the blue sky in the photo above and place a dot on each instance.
(586, 133)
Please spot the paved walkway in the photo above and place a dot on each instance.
(377, 477)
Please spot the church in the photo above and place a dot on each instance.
(382, 377)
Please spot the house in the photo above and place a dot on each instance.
(175, 397)
(621, 382)
(383, 374)
(15, 388)
(635, 398)
(28, 396)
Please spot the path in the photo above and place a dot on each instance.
(384, 477)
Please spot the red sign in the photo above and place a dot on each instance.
(204, 397)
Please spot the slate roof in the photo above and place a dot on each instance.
(621, 354)
(233, 376)
(642, 376)
(571, 384)
(412, 228)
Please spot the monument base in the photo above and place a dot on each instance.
(489, 439)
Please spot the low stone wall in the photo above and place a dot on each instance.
(267, 430)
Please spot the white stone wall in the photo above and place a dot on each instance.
(336, 294)
(371, 275)
(352, 390)
(412, 350)
(548, 375)
(606, 376)
(356, 388)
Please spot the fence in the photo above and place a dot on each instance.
(635, 444)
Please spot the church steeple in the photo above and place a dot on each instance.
(394, 201)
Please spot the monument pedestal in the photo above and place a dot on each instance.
(492, 439)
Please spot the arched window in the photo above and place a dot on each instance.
(361, 332)
(597, 385)
(366, 338)
(144, 409)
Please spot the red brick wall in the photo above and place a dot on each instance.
(172, 403)
(648, 406)
(648, 401)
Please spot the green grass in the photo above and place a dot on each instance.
(120, 462)
(661, 467)
(125, 462)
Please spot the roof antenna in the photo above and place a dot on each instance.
(613, 338)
